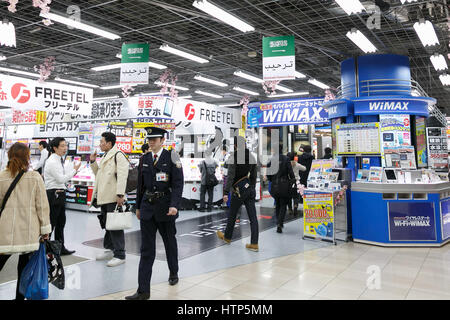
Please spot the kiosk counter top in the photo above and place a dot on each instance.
(394, 214)
(401, 187)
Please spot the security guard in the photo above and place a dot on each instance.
(159, 192)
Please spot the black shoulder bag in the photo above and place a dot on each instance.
(10, 190)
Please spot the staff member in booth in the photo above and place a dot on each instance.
(159, 192)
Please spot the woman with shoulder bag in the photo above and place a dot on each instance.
(282, 181)
(25, 213)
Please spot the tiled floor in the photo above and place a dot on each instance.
(335, 272)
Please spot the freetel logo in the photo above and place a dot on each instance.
(20, 93)
(189, 112)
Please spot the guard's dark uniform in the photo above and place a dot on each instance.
(160, 187)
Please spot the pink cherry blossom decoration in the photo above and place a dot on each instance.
(45, 69)
(126, 91)
(270, 85)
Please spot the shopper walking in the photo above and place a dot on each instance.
(297, 168)
(280, 188)
(159, 192)
(109, 193)
(305, 159)
(25, 214)
(56, 175)
(208, 170)
(43, 148)
(328, 154)
(242, 184)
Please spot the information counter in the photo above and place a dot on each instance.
(401, 214)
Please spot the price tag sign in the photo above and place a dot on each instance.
(124, 144)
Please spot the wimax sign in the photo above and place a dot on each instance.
(413, 106)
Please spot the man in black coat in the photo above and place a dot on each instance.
(159, 192)
(306, 160)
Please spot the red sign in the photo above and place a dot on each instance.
(20, 93)
(24, 117)
(189, 111)
(124, 144)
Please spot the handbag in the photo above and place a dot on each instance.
(242, 188)
(118, 220)
(211, 179)
(55, 266)
(34, 278)
(10, 190)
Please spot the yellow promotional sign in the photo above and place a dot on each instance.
(318, 215)
(41, 117)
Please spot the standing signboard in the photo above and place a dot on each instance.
(318, 215)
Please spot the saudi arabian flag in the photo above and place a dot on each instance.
(134, 67)
(279, 58)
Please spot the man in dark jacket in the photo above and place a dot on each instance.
(306, 160)
(328, 154)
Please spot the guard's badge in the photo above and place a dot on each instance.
(178, 164)
(149, 131)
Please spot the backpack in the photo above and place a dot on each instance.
(211, 180)
(133, 173)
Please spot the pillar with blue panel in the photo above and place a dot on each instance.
(372, 85)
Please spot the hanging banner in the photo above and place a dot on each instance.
(134, 66)
(287, 112)
(318, 215)
(26, 94)
(278, 58)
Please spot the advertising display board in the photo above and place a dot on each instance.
(437, 148)
(395, 130)
(85, 139)
(421, 143)
(124, 135)
(445, 219)
(358, 138)
(318, 215)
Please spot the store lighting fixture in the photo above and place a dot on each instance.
(318, 84)
(299, 75)
(8, 34)
(36, 75)
(104, 98)
(409, 1)
(426, 33)
(185, 97)
(117, 66)
(229, 105)
(351, 6)
(208, 94)
(119, 56)
(80, 25)
(300, 93)
(152, 94)
(439, 62)
(259, 80)
(183, 54)
(415, 93)
(77, 82)
(215, 82)
(252, 93)
(117, 86)
(2, 58)
(222, 15)
(445, 79)
(160, 84)
(361, 41)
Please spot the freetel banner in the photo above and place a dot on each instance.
(25, 94)
(134, 67)
(279, 58)
(392, 106)
(289, 112)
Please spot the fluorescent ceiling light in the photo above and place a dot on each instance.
(409, 1)
(77, 82)
(159, 83)
(151, 94)
(80, 25)
(8, 33)
(208, 94)
(222, 15)
(299, 75)
(117, 86)
(426, 33)
(229, 105)
(217, 83)
(361, 41)
(117, 66)
(119, 55)
(415, 93)
(183, 54)
(445, 79)
(252, 93)
(2, 58)
(104, 98)
(185, 97)
(284, 89)
(300, 93)
(439, 62)
(351, 6)
(259, 80)
(36, 75)
(318, 84)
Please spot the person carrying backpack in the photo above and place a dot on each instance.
(111, 176)
(209, 181)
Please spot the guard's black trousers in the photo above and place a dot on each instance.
(167, 230)
(235, 205)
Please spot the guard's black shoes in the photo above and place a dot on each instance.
(138, 296)
(173, 279)
(279, 229)
(65, 252)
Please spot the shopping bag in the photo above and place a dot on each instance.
(34, 279)
(55, 266)
(119, 219)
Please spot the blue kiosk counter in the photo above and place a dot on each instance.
(401, 214)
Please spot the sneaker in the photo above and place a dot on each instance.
(252, 247)
(107, 255)
(221, 236)
(114, 262)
